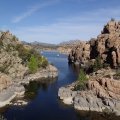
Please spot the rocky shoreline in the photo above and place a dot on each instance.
(17, 90)
(101, 57)
(19, 64)
(102, 93)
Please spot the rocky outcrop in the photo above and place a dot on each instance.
(106, 46)
(66, 47)
(102, 93)
(103, 87)
(5, 81)
(80, 53)
(14, 69)
(11, 64)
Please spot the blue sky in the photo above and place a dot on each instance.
(54, 21)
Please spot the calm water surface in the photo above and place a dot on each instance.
(44, 103)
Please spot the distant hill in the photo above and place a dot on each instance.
(66, 47)
(63, 47)
(41, 45)
(70, 43)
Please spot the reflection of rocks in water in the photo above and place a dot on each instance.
(75, 68)
(63, 106)
(83, 115)
(33, 87)
(19, 102)
(2, 118)
(3, 110)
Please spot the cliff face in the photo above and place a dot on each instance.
(106, 46)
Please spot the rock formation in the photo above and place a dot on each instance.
(10, 62)
(102, 93)
(106, 46)
(103, 86)
(80, 53)
(66, 47)
(14, 67)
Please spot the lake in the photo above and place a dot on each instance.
(43, 96)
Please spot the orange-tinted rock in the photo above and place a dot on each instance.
(106, 45)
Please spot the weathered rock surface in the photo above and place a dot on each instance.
(66, 47)
(10, 62)
(5, 81)
(11, 89)
(80, 53)
(103, 92)
(106, 45)
(14, 71)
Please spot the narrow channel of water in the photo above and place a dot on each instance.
(44, 103)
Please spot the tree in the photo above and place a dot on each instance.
(82, 76)
(33, 64)
(82, 79)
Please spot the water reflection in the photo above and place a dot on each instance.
(75, 68)
(34, 87)
(83, 115)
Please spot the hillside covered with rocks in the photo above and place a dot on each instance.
(19, 64)
(100, 89)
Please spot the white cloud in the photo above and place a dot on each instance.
(83, 27)
(32, 10)
(58, 32)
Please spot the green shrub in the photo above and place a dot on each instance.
(82, 76)
(14, 38)
(31, 58)
(43, 62)
(33, 64)
(97, 65)
(82, 79)
(24, 54)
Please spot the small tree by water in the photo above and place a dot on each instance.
(33, 64)
(82, 79)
